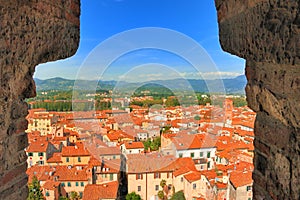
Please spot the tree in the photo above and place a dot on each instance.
(161, 194)
(35, 192)
(153, 145)
(178, 196)
(239, 102)
(133, 196)
(63, 198)
(163, 183)
(197, 117)
(74, 196)
(172, 101)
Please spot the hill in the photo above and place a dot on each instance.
(232, 85)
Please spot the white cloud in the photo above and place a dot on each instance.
(210, 75)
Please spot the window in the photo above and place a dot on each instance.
(201, 154)
(30, 154)
(194, 186)
(180, 155)
(41, 154)
(114, 157)
(181, 179)
(47, 194)
(156, 187)
(111, 177)
(139, 176)
(208, 154)
(62, 184)
(69, 184)
(192, 155)
(139, 188)
(79, 159)
(77, 184)
(156, 175)
(249, 198)
(67, 159)
(80, 195)
(249, 188)
(41, 162)
(208, 165)
(82, 184)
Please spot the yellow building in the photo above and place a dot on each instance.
(146, 171)
(75, 155)
(40, 120)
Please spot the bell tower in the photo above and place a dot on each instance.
(228, 107)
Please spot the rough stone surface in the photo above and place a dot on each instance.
(31, 32)
(267, 34)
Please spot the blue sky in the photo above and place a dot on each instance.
(101, 19)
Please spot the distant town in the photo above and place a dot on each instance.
(142, 147)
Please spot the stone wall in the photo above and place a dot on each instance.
(267, 34)
(31, 32)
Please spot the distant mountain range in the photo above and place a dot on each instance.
(232, 85)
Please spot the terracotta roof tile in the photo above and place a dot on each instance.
(64, 173)
(191, 141)
(56, 158)
(239, 179)
(103, 191)
(134, 145)
(151, 162)
(193, 176)
(38, 146)
(77, 150)
(50, 185)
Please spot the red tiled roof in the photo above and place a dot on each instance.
(97, 147)
(50, 185)
(221, 185)
(168, 135)
(182, 166)
(134, 145)
(64, 173)
(103, 191)
(186, 141)
(38, 146)
(152, 162)
(119, 134)
(193, 176)
(209, 174)
(77, 150)
(113, 165)
(239, 179)
(56, 158)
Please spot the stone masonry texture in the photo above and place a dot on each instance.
(267, 34)
(31, 32)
